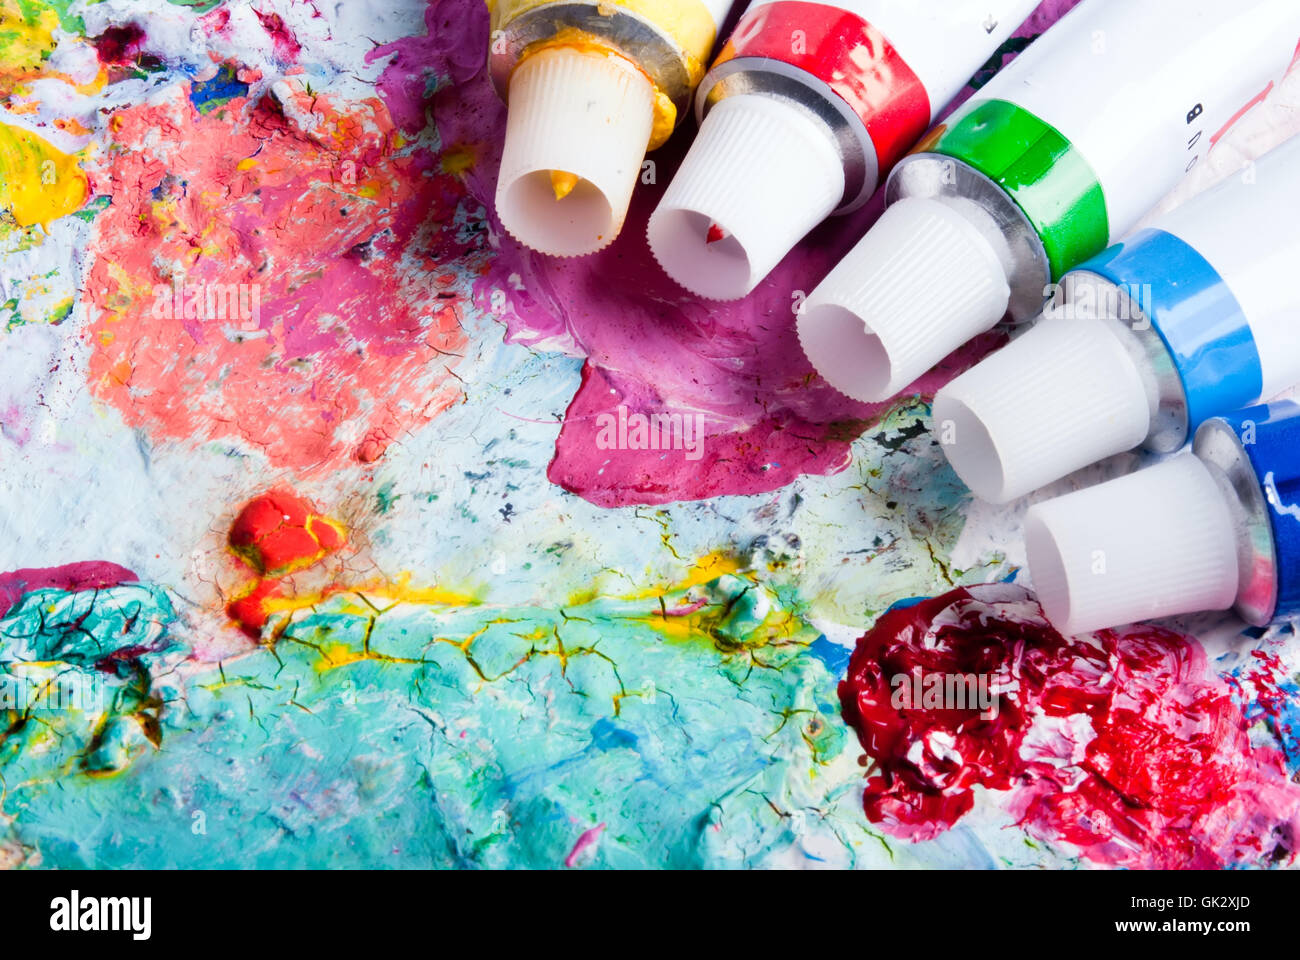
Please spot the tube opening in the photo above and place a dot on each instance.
(1051, 576)
(700, 254)
(971, 449)
(849, 356)
(580, 222)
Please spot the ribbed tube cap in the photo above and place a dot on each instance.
(921, 283)
(1065, 394)
(759, 176)
(1156, 543)
(577, 130)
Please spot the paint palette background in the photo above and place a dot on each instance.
(484, 640)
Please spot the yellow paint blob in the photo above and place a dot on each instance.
(457, 160)
(38, 183)
(563, 182)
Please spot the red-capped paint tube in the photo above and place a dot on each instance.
(806, 107)
(1053, 160)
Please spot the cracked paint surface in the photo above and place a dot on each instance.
(349, 582)
(698, 726)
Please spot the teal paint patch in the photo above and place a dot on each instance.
(699, 727)
(78, 693)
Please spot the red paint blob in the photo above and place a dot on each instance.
(249, 611)
(280, 532)
(1121, 743)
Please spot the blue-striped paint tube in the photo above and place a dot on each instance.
(1195, 316)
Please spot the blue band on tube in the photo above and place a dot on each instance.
(1196, 315)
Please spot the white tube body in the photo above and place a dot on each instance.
(1248, 229)
(718, 10)
(1077, 77)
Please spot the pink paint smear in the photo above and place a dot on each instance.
(82, 575)
(648, 344)
(349, 237)
(588, 839)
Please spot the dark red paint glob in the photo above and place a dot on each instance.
(118, 45)
(1121, 743)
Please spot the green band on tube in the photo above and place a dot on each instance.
(1038, 168)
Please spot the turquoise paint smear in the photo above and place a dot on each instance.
(77, 684)
(469, 736)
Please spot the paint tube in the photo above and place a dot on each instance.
(1187, 319)
(1212, 529)
(807, 105)
(591, 86)
(1056, 158)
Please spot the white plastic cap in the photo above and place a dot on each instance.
(577, 130)
(760, 175)
(1156, 543)
(924, 280)
(1065, 394)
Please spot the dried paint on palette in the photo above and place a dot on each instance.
(337, 518)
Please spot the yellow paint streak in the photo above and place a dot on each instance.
(26, 41)
(371, 596)
(27, 38)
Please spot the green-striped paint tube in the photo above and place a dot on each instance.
(1056, 158)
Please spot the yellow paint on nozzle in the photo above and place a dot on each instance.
(38, 182)
(563, 182)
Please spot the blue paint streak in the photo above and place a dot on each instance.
(830, 653)
(1284, 725)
